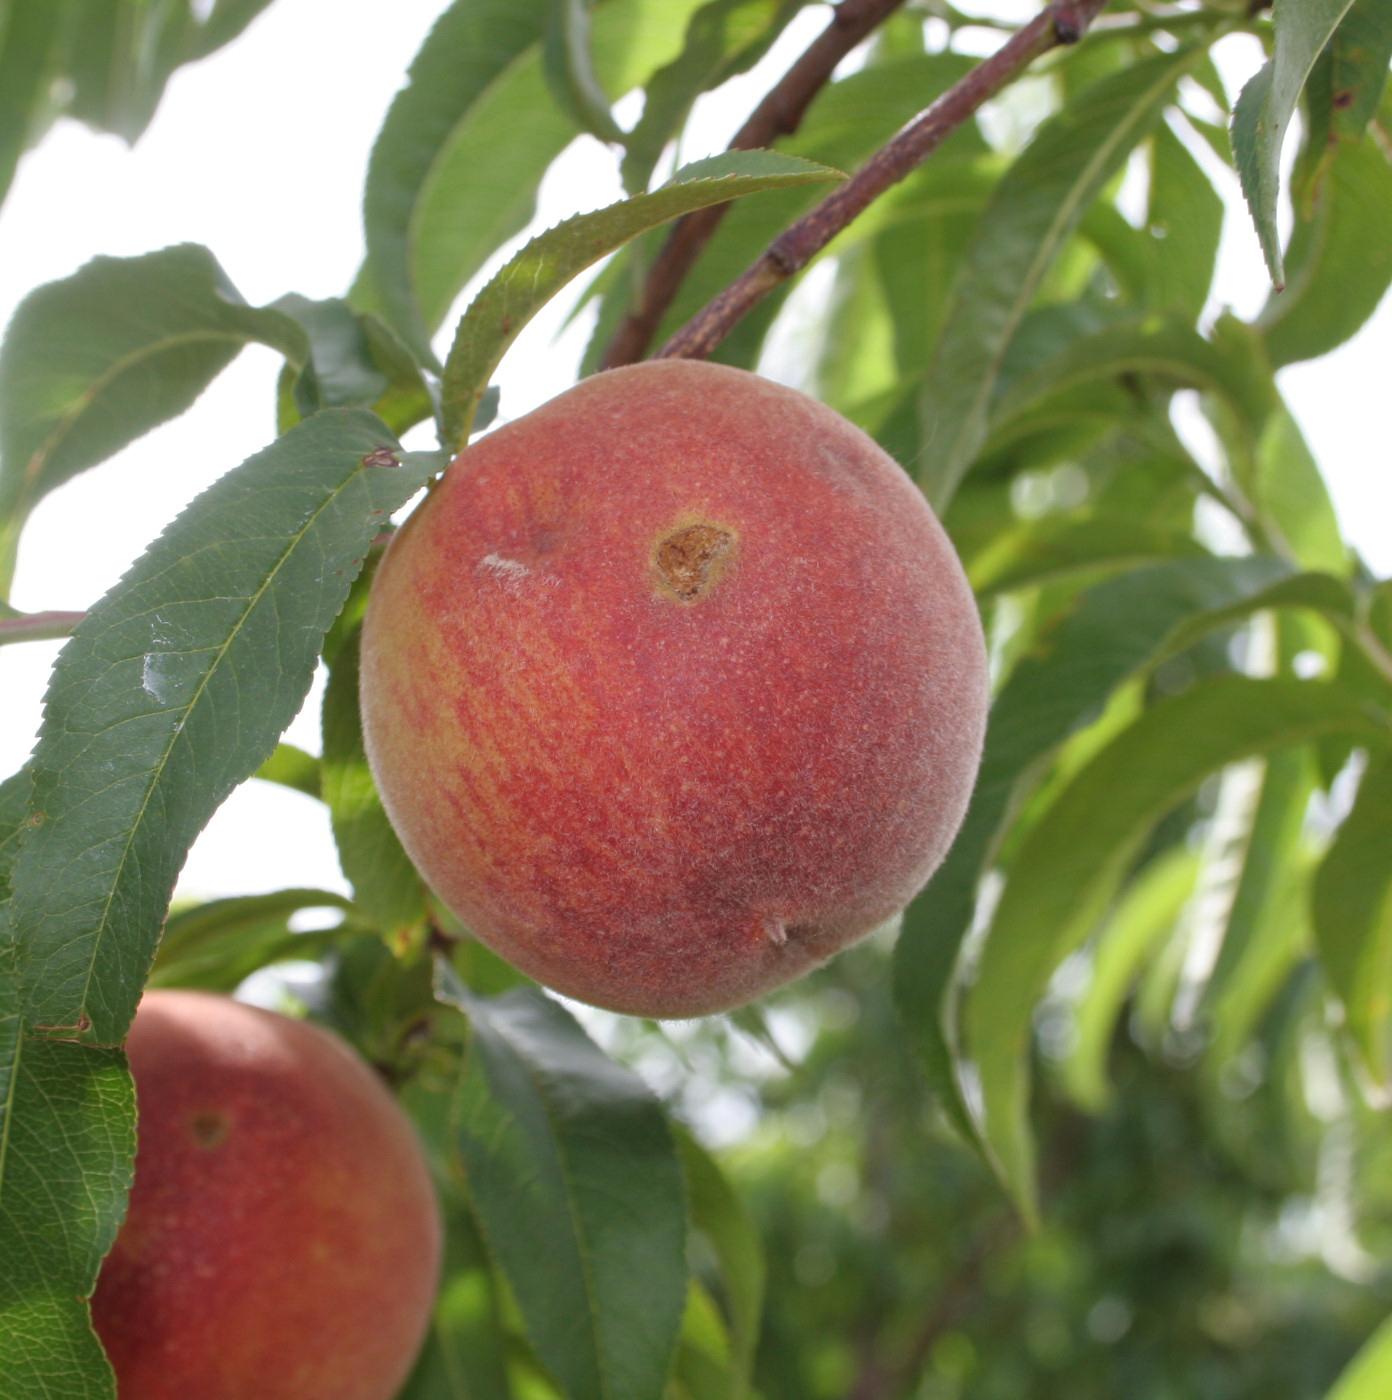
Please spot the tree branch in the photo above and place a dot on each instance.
(37, 627)
(1062, 22)
(779, 114)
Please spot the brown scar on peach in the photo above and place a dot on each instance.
(209, 1129)
(690, 560)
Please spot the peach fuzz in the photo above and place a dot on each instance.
(283, 1239)
(673, 688)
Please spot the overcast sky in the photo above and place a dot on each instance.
(259, 153)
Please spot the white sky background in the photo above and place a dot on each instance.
(259, 153)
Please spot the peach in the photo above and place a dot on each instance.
(283, 1238)
(673, 688)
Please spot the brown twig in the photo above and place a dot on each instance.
(779, 114)
(1062, 22)
(38, 626)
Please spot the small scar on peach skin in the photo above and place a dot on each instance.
(690, 560)
(210, 1129)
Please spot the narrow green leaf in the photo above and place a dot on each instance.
(569, 66)
(724, 37)
(1186, 212)
(497, 315)
(1115, 629)
(1142, 917)
(1265, 107)
(174, 689)
(385, 883)
(1353, 918)
(29, 31)
(293, 768)
(216, 945)
(1070, 864)
(91, 362)
(1337, 274)
(1285, 484)
(1035, 209)
(1369, 1375)
(577, 1185)
(226, 20)
(718, 1213)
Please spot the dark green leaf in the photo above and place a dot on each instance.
(1353, 918)
(1186, 212)
(172, 691)
(497, 315)
(1071, 863)
(90, 363)
(1359, 54)
(1266, 105)
(576, 1182)
(1035, 210)
(385, 883)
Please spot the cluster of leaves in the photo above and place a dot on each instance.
(1187, 787)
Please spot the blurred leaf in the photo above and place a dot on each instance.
(1359, 54)
(701, 1369)
(174, 689)
(1112, 631)
(1353, 918)
(1265, 106)
(1187, 213)
(569, 67)
(385, 883)
(216, 945)
(91, 362)
(719, 1215)
(1038, 550)
(1144, 914)
(293, 768)
(497, 315)
(1337, 274)
(576, 1182)
(29, 30)
(1035, 209)
(1369, 1375)
(724, 37)
(354, 360)
(1070, 865)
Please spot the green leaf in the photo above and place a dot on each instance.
(1035, 209)
(1285, 484)
(1145, 913)
(91, 362)
(216, 945)
(1070, 864)
(1369, 1375)
(1265, 106)
(1337, 274)
(718, 1213)
(576, 1183)
(497, 315)
(1359, 54)
(293, 768)
(29, 31)
(1115, 629)
(569, 67)
(1353, 919)
(1187, 213)
(173, 690)
(385, 883)
(724, 37)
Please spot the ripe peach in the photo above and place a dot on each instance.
(673, 688)
(283, 1239)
